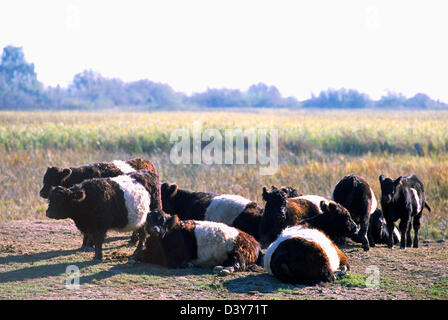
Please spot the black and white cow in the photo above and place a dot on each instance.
(97, 205)
(304, 255)
(403, 199)
(281, 211)
(175, 243)
(233, 210)
(355, 194)
(68, 177)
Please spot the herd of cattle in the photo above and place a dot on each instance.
(174, 227)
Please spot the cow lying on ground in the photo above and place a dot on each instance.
(281, 212)
(233, 210)
(175, 243)
(354, 193)
(377, 232)
(97, 205)
(403, 199)
(304, 255)
(67, 177)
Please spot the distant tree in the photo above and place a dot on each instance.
(146, 92)
(19, 87)
(220, 98)
(341, 98)
(421, 101)
(261, 95)
(391, 100)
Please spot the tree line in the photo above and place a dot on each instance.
(89, 90)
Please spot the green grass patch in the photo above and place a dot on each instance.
(352, 280)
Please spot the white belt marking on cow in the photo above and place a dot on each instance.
(123, 166)
(308, 234)
(225, 208)
(214, 241)
(137, 201)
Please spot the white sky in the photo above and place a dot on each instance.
(301, 47)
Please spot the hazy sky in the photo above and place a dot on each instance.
(302, 47)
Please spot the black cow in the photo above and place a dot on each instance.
(355, 194)
(403, 199)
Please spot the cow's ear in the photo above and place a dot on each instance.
(173, 190)
(172, 222)
(324, 206)
(265, 194)
(397, 181)
(66, 173)
(78, 195)
(381, 178)
(164, 186)
(332, 206)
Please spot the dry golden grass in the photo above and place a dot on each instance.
(315, 151)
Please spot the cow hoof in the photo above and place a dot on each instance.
(225, 272)
(86, 249)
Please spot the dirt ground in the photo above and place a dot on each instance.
(39, 259)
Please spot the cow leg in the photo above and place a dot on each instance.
(98, 239)
(404, 226)
(134, 238)
(87, 243)
(370, 238)
(408, 235)
(390, 229)
(141, 233)
(363, 235)
(416, 225)
(364, 216)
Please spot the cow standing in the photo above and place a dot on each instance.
(403, 199)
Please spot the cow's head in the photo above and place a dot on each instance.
(338, 220)
(53, 177)
(274, 215)
(169, 191)
(61, 201)
(159, 223)
(388, 188)
(291, 192)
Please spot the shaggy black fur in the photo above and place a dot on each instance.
(190, 205)
(185, 203)
(68, 177)
(354, 193)
(335, 221)
(281, 212)
(98, 205)
(172, 244)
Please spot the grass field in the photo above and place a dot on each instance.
(316, 148)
